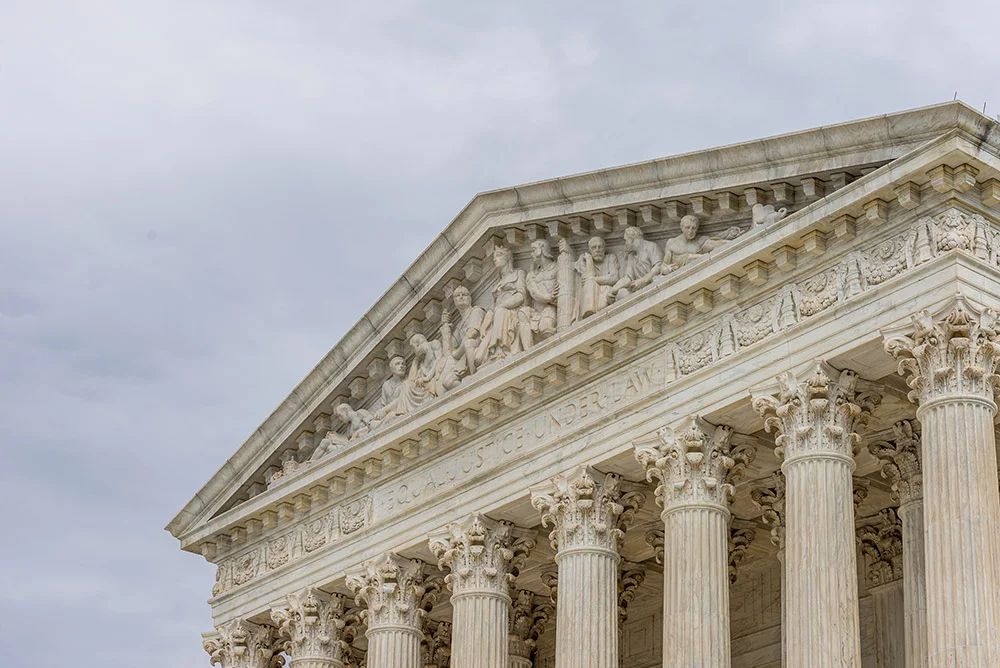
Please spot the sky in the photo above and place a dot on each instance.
(197, 199)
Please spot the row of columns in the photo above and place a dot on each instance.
(951, 553)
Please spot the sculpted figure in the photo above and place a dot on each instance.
(359, 422)
(642, 264)
(689, 246)
(510, 328)
(465, 337)
(599, 272)
(390, 388)
(542, 283)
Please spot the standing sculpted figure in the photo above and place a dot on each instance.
(689, 246)
(642, 264)
(542, 282)
(510, 329)
(465, 336)
(599, 272)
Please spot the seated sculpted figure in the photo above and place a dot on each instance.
(390, 390)
(542, 283)
(642, 264)
(464, 337)
(599, 273)
(689, 246)
(359, 423)
(510, 324)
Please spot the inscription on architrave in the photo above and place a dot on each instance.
(579, 409)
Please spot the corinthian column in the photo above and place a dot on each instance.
(392, 589)
(242, 644)
(695, 466)
(313, 623)
(770, 498)
(951, 367)
(482, 556)
(588, 512)
(818, 419)
(900, 459)
(881, 542)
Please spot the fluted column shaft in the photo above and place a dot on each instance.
(784, 609)
(587, 609)
(962, 532)
(479, 630)
(821, 569)
(393, 647)
(914, 583)
(890, 636)
(696, 587)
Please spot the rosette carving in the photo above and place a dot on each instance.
(953, 354)
(697, 463)
(481, 554)
(392, 589)
(587, 509)
(900, 459)
(820, 413)
(882, 544)
(313, 622)
(241, 644)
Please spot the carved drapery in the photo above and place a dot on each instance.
(242, 644)
(818, 419)
(313, 622)
(950, 362)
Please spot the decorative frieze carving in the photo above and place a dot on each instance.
(900, 460)
(392, 590)
(696, 463)
(313, 623)
(481, 554)
(587, 509)
(951, 355)
(820, 413)
(881, 540)
(241, 644)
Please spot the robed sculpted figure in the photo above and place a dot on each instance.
(689, 246)
(510, 326)
(642, 264)
(542, 282)
(599, 272)
(466, 336)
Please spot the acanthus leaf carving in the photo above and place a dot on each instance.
(881, 541)
(900, 460)
(392, 589)
(314, 623)
(242, 644)
(435, 644)
(529, 615)
(740, 538)
(770, 498)
(631, 576)
(481, 554)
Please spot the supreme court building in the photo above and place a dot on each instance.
(733, 408)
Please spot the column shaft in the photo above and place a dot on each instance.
(393, 648)
(696, 587)
(480, 630)
(962, 532)
(890, 636)
(914, 583)
(784, 609)
(587, 609)
(822, 571)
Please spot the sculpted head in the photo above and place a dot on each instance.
(344, 412)
(462, 298)
(689, 227)
(597, 248)
(502, 256)
(539, 249)
(419, 344)
(633, 235)
(397, 365)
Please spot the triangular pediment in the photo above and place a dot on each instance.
(785, 185)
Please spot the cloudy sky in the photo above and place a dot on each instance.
(198, 198)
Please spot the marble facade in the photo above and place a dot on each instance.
(733, 408)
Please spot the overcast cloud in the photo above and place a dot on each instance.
(197, 199)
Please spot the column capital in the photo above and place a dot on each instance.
(740, 537)
(482, 555)
(631, 576)
(435, 646)
(881, 540)
(954, 352)
(313, 623)
(393, 589)
(818, 415)
(694, 464)
(587, 509)
(770, 498)
(529, 614)
(655, 539)
(241, 644)
(900, 460)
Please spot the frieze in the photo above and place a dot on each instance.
(506, 444)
